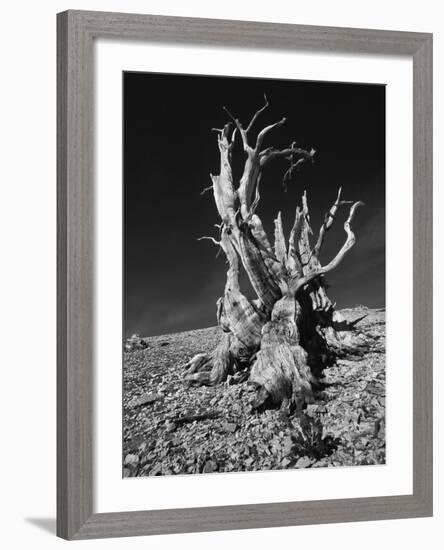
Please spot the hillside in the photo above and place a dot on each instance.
(170, 428)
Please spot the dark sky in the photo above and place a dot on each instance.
(172, 280)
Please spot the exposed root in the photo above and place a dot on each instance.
(200, 362)
(341, 335)
(209, 370)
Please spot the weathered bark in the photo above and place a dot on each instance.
(281, 372)
(214, 368)
(291, 331)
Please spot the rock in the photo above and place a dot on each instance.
(303, 462)
(285, 462)
(210, 466)
(170, 426)
(131, 460)
(287, 446)
(134, 343)
(311, 410)
(145, 399)
(229, 427)
(156, 470)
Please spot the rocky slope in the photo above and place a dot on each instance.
(169, 428)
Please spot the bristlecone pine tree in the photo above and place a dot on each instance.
(283, 339)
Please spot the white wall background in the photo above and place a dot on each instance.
(27, 218)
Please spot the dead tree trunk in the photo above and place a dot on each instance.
(290, 332)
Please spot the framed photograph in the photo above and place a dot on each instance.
(244, 275)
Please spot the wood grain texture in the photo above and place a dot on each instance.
(75, 277)
(75, 269)
(423, 274)
(62, 294)
(247, 33)
(254, 516)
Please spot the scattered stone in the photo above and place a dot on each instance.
(210, 466)
(311, 410)
(193, 418)
(179, 432)
(156, 470)
(303, 462)
(230, 427)
(134, 343)
(131, 460)
(287, 446)
(145, 399)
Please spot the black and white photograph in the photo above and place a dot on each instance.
(253, 274)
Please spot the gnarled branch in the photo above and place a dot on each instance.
(328, 221)
(350, 241)
(257, 113)
(264, 132)
(271, 153)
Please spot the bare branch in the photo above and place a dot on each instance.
(264, 132)
(212, 239)
(350, 241)
(280, 250)
(328, 220)
(233, 137)
(306, 213)
(241, 130)
(293, 261)
(224, 193)
(206, 189)
(257, 113)
(289, 173)
(256, 198)
(296, 229)
(248, 182)
(304, 203)
(272, 153)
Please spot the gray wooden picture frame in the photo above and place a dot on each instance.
(76, 32)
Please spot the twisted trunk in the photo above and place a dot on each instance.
(290, 332)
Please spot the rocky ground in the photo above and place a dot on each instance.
(169, 428)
